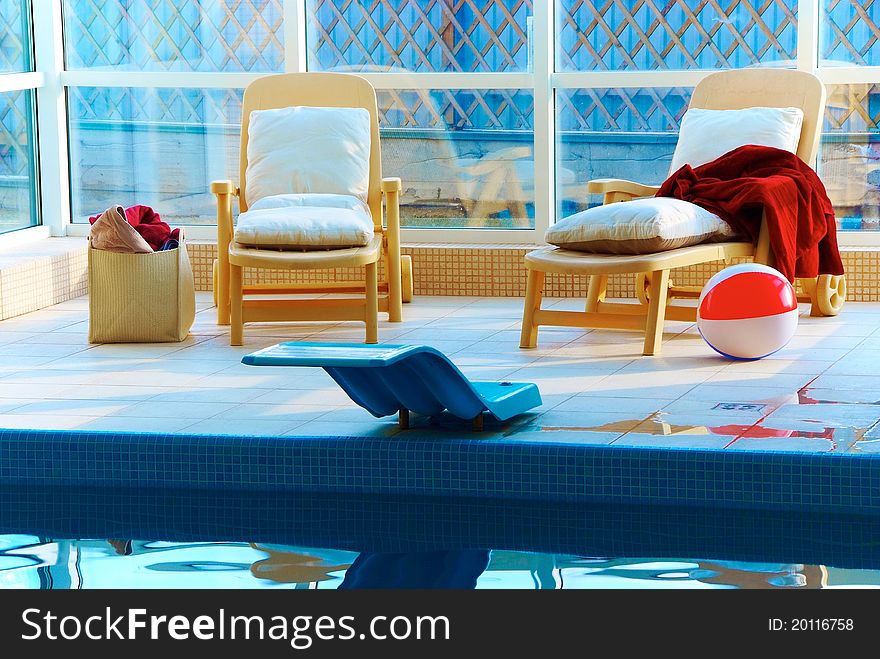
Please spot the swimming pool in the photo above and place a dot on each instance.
(65, 538)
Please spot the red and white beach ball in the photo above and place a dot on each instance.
(747, 311)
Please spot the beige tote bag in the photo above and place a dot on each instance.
(140, 298)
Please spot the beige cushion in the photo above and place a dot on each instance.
(111, 232)
(641, 226)
(308, 150)
(305, 221)
(708, 134)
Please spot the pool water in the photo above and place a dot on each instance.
(53, 539)
(32, 562)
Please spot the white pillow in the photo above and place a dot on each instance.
(308, 150)
(641, 226)
(305, 222)
(707, 134)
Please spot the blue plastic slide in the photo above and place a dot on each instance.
(391, 379)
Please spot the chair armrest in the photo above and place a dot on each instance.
(391, 184)
(620, 188)
(224, 191)
(391, 188)
(224, 187)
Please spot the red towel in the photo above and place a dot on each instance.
(147, 222)
(742, 183)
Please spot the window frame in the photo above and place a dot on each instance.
(29, 80)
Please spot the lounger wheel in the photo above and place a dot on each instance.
(406, 271)
(643, 288)
(829, 295)
(215, 278)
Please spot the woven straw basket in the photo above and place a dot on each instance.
(140, 298)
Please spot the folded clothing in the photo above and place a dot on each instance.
(148, 224)
(111, 233)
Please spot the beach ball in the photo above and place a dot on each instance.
(747, 311)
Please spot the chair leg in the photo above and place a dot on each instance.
(395, 282)
(656, 312)
(596, 292)
(221, 291)
(236, 304)
(534, 293)
(371, 315)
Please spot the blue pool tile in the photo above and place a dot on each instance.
(674, 441)
(458, 465)
(787, 444)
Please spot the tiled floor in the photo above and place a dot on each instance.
(821, 393)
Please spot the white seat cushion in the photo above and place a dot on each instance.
(304, 149)
(305, 222)
(708, 134)
(641, 226)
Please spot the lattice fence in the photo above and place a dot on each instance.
(457, 35)
(851, 32)
(453, 110)
(175, 35)
(12, 30)
(420, 35)
(163, 105)
(675, 34)
(621, 110)
(15, 148)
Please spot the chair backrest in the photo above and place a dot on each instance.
(340, 90)
(772, 88)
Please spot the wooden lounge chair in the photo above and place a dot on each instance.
(236, 304)
(719, 91)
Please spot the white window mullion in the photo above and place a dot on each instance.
(294, 25)
(808, 35)
(13, 82)
(158, 79)
(544, 118)
(629, 79)
(52, 117)
(849, 75)
(240, 80)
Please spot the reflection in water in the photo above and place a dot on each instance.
(431, 569)
(271, 540)
(745, 575)
(286, 565)
(840, 437)
(65, 564)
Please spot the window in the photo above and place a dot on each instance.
(614, 133)
(482, 102)
(466, 155)
(18, 162)
(156, 147)
(849, 160)
(15, 49)
(424, 36)
(631, 132)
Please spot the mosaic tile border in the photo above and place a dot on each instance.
(497, 468)
(497, 271)
(41, 274)
(55, 270)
